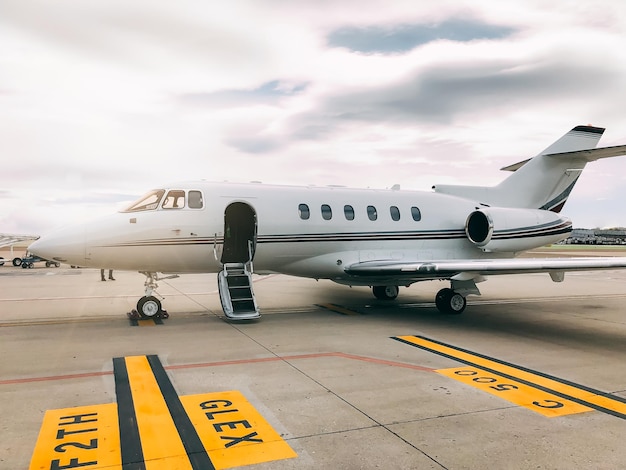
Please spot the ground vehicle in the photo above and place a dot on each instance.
(29, 260)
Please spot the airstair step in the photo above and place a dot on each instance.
(237, 281)
(236, 294)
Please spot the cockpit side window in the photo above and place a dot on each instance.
(175, 199)
(195, 200)
(147, 202)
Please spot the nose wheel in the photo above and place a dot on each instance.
(149, 306)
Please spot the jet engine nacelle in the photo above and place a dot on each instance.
(509, 230)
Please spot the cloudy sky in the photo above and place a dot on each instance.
(101, 101)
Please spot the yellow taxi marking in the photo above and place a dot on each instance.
(580, 394)
(160, 441)
(232, 431)
(81, 437)
(152, 428)
(339, 309)
(516, 392)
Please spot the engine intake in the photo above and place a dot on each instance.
(508, 230)
(479, 228)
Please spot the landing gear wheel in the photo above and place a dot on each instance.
(448, 301)
(148, 306)
(385, 292)
(17, 262)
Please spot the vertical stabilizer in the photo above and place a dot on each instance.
(546, 181)
(542, 182)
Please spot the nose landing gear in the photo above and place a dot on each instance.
(149, 306)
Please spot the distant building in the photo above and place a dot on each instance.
(582, 236)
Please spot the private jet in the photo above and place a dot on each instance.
(384, 239)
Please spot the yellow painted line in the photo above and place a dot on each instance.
(545, 403)
(232, 431)
(81, 437)
(339, 309)
(160, 441)
(584, 395)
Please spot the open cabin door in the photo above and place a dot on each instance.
(235, 279)
(239, 233)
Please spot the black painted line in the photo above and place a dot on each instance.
(531, 371)
(130, 441)
(198, 456)
(565, 396)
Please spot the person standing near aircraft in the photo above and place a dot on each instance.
(111, 278)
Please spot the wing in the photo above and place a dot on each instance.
(472, 268)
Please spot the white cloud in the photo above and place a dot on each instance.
(116, 97)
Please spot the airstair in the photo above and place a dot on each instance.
(236, 294)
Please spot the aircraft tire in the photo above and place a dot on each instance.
(385, 292)
(450, 302)
(1, 261)
(17, 262)
(148, 306)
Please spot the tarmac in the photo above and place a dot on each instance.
(532, 375)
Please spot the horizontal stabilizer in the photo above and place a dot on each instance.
(589, 155)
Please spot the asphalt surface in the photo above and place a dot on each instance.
(532, 375)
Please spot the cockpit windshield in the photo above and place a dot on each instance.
(146, 202)
(175, 199)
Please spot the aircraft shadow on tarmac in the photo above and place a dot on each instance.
(570, 323)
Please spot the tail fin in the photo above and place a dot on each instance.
(545, 181)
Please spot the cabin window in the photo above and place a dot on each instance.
(146, 202)
(327, 212)
(195, 200)
(348, 212)
(395, 213)
(416, 214)
(175, 199)
(372, 213)
(304, 212)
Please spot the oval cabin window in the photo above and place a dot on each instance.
(348, 212)
(304, 212)
(327, 212)
(372, 214)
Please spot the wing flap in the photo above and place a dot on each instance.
(447, 268)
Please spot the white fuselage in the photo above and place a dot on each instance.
(304, 231)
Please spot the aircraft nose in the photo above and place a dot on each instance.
(63, 246)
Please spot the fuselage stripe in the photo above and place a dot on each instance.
(525, 232)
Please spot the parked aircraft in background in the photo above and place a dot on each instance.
(359, 237)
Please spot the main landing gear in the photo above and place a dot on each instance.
(447, 300)
(385, 292)
(149, 306)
